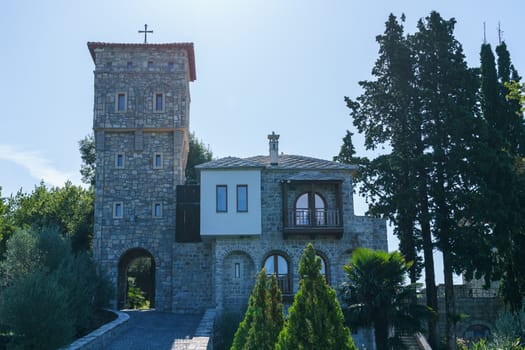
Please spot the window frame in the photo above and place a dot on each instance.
(115, 212)
(218, 209)
(122, 157)
(284, 280)
(237, 270)
(163, 102)
(117, 102)
(242, 210)
(160, 156)
(154, 207)
(308, 216)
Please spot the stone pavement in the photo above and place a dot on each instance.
(150, 329)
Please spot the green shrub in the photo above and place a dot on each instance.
(135, 297)
(21, 258)
(33, 308)
(73, 290)
(315, 319)
(224, 329)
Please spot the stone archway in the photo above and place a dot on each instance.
(239, 278)
(139, 265)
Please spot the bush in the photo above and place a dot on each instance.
(224, 329)
(33, 309)
(135, 297)
(73, 289)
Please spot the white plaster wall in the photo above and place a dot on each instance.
(230, 222)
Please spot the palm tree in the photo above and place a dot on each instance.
(375, 295)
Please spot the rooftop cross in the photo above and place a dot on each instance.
(145, 31)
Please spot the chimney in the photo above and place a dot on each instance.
(274, 148)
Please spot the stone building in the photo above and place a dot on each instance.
(205, 242)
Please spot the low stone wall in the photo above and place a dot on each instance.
(203, 338)
(98, 339)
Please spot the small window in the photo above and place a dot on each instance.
(130, 65)
(237, 270)
(159, 102)
(118, 210)
(121, 102)
(119, 160)
(171, 65)
(150, 64)
(222, 198)
(242, 198)
(157, 210)
(157, 161)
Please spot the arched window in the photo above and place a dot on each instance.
(278, 265)
(310, 205)
(324, 269)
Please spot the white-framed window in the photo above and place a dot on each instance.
(158, 102)
(118, 210)
(119, 160)
(242, 198)
(156, 210)
(157, 160)
(120, 102)
(221, 198)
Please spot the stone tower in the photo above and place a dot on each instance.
(141, 121)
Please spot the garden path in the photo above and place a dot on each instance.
(150, 329)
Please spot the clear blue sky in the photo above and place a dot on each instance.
(262, 65)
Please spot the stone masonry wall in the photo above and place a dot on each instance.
(139, 133)
(251, 252)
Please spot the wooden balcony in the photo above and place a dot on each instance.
(313, 222)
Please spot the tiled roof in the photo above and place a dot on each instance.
(185, 46)
(229, 162)
(285, 162)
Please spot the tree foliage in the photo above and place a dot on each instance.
(88, 156)
(263, 319)
(198, 153)
(49, 294)
(396, 184)
(69, 209)
(375, 295)
(315, 319)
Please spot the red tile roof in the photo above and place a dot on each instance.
(184, 46)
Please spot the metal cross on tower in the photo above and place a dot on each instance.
(145, 31)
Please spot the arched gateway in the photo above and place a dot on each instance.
(136, 268)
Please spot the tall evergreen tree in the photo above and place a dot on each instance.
(500, 200)
(396, 184)
(447, 94)
(347, 152)
(264, 317)
(315, 320)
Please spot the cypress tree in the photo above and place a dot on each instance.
(499, 204)
(447, 93)
(396, 184)
(315, 320)
(264, 317)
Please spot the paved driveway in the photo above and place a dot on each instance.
(150, 329)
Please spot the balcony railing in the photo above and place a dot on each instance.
(284, 283)
(314, 217)
(313, 221)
